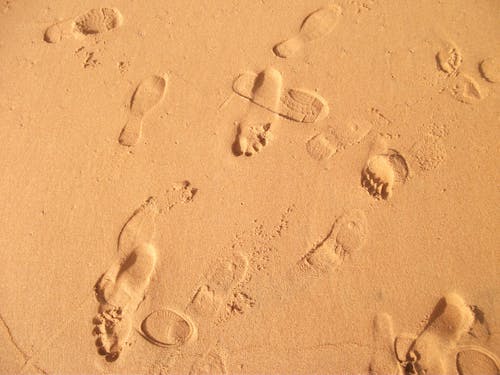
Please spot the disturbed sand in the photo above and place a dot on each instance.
(289, 187)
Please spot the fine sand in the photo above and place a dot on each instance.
(250, 187)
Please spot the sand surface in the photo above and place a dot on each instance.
(223, 187)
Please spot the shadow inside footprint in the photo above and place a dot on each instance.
(119, 292)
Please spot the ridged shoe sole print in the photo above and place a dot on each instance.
(295, 104)
(95, 21)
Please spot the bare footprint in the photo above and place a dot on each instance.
(348, 234)
(211, 295)
(168, 328)
(316, 25)
(120, 291)
(383, 169)
(384, 360)
(432, 352)
(299, 105)
(336, 138)
(490, 69)
(147, 95)
(209, 364)
(254, 128)
(95, 21)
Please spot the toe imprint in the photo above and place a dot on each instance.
(449, 59)
(253, 130)
(382, 171)
(127, 282)
(378, 177)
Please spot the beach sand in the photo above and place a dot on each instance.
(249, 187)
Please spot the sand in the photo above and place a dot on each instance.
(249, 187)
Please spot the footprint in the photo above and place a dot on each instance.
(324, 145)
(381, 171)
(449, 58)
(210, 296)
(477, 362)
(95, 21)
(490, 69)
(348, 234)
(254, 128)
(431, 351)
(139, 228)
(383, 360)
(316, 25)
(295, 104)
(120, 291)
(180, 192)
(147, 95)
(465, 89)
(320, 148)
(168, 328)
(209, 364)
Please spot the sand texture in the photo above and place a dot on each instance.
(250, 187)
